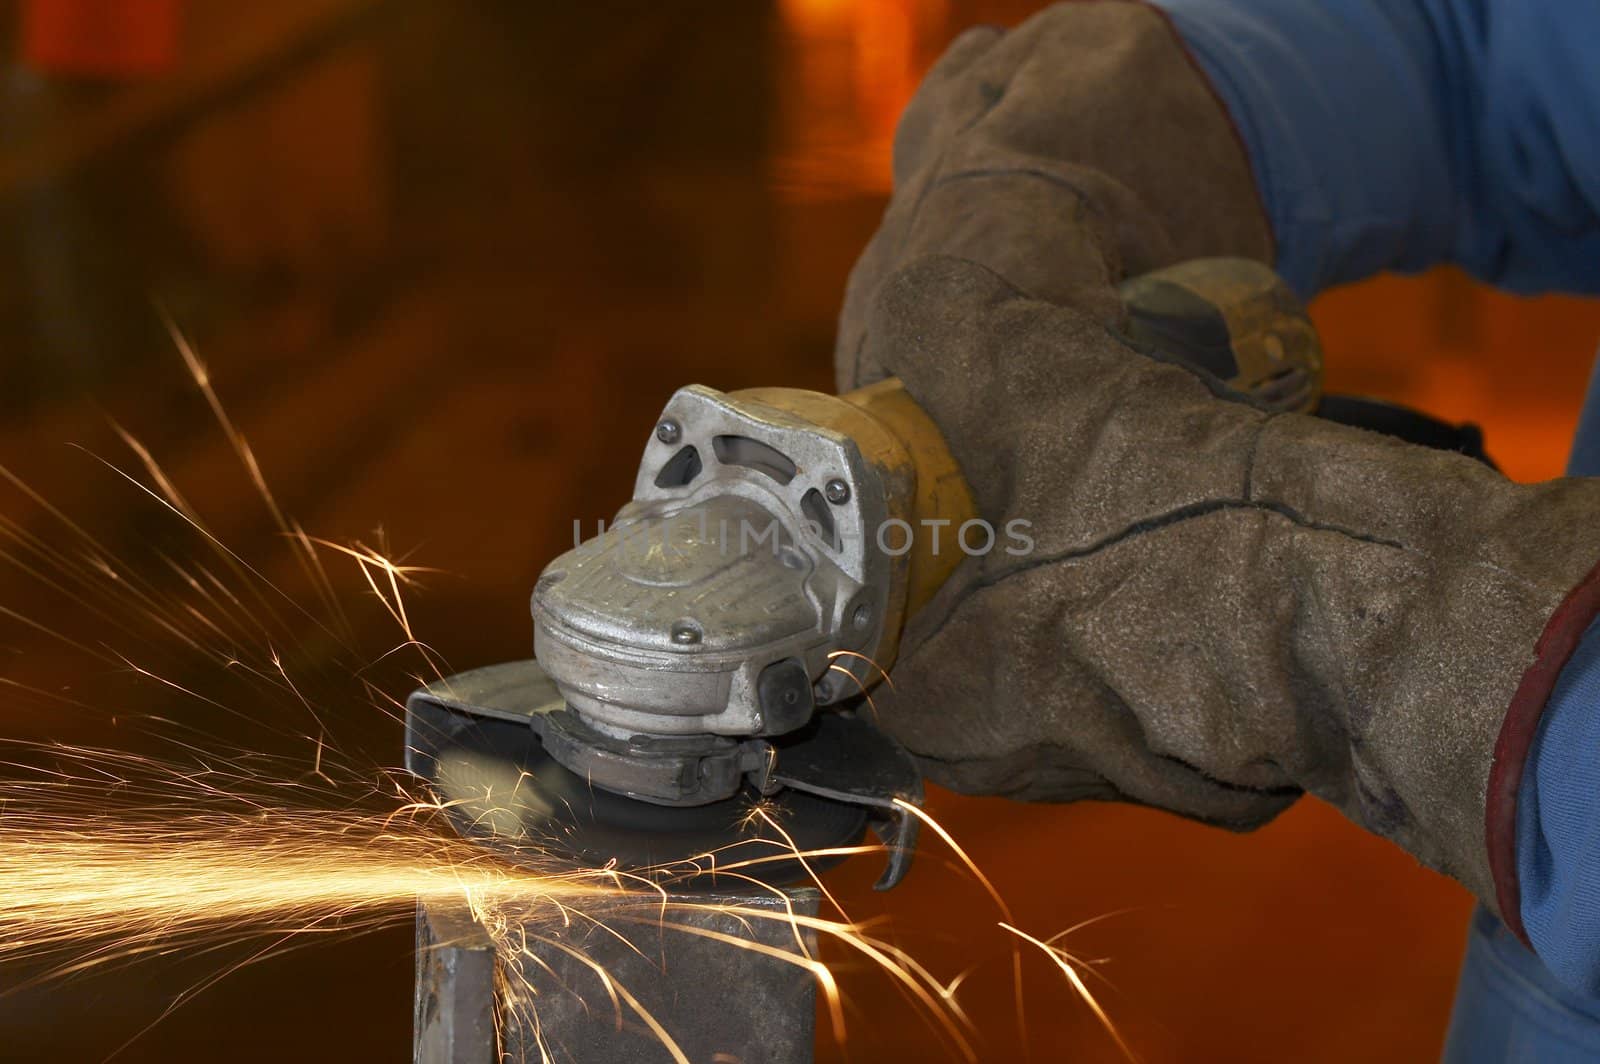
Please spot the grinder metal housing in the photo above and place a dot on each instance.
(762, 570)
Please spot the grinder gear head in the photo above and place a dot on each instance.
(685, 653)
(714, 607)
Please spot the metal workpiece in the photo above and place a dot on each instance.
(455, 1016)
(541, 995)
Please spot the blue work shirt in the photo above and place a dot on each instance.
(1394, 135)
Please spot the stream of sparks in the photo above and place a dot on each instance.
(107, 856)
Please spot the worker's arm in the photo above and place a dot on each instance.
(1558, 843)
(1397, 134)
(1558, 826)
(1222, 607)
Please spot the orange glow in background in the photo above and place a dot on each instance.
(446, 262)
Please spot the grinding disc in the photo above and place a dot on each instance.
(501, 787)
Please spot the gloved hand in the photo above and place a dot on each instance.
(1222, 607)
(1078, 149)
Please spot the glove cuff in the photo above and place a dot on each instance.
(1556, 645)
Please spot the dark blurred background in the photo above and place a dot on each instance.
(446, 261)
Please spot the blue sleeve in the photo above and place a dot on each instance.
(1397, 134)
(1558, 805)
(1558, 826)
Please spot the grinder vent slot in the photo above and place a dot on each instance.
(820, 518)
(680, 470)
(753, 454)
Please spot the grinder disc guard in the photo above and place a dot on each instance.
(476, 739)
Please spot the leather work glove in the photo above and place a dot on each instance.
(1222, 607)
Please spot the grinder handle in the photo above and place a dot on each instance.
(1235, 323)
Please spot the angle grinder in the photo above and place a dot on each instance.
(699, 705)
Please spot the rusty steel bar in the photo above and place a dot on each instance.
(718, 1002)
